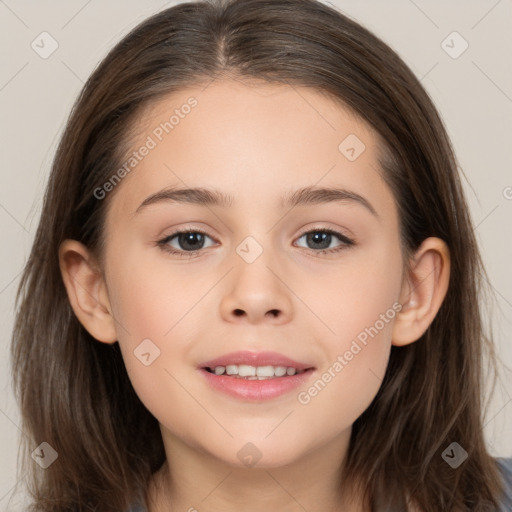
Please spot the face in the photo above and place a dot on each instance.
(282, 275)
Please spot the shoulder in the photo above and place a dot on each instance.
(505, 466)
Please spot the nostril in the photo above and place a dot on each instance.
(238, 312)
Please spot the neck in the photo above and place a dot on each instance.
(192, 480)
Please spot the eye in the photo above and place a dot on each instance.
(321, 240)
(189, 242)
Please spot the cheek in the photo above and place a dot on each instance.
(359, 308)
(150, 302)
(156, 316)
(360, 297)
(352, 372)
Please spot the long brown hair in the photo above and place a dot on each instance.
(74, 392)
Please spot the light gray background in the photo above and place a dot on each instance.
(472, 92)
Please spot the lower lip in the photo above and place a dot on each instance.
(256, 390)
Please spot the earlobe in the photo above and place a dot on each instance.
(423, 291)
(86, 290)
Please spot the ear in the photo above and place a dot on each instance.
(86, 290)
(423, 291)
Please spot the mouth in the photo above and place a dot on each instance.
(248, 372)
(255, 376)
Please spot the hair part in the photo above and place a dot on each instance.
(74, 392)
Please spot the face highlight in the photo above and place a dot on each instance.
(259, 223)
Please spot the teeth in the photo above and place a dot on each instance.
(265, 371)
(280, 371)
(231, 369)
(244, 370)
(254, 372)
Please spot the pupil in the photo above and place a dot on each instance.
(323, 238)
(187, 240)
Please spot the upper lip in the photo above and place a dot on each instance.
(255, 359)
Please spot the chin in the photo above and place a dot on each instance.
(258, 454)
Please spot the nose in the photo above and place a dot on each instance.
(257, 292)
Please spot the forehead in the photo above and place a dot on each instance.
(248, 138)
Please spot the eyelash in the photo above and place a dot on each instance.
(164, 243)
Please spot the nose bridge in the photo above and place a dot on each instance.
(251, 249)
(256, 290)
(255, 258)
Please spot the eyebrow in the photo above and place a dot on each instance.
(301, 197)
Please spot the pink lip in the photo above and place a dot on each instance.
(255, 390)
(255, 359)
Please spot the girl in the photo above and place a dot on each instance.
(255, 281)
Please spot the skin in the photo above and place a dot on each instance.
(255, 141)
